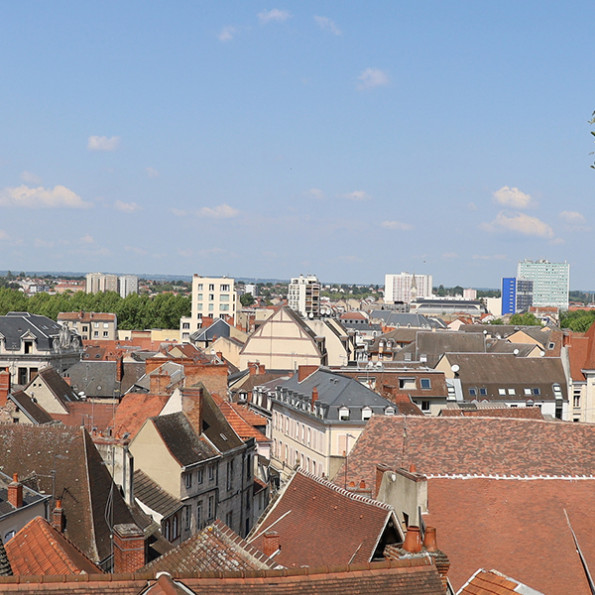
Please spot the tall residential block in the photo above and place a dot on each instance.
(551, 281)
(99, 282)
(303, 295)
(406, 287)
(127, 284)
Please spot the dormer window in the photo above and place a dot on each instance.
(366, 413)
(344, 413)
(389, 411)
(28, 346)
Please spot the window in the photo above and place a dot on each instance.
(224, 287)
(96, 333)
(211, 297)
(85, 329)
(473, 392)
(211, 287)
(186, 325)
(211, 472)
(105, 325)
(224, 307)
(502, 392)
(343, 413)
(96, 324)
(174, 527)
(389, 411)
(527, 392)
(577, 399)
(229, 475)
(199, 297)
(211, 507)
(224, 297)
(188, 480)
(187, 518)
(105, 333)
(229, 519)
(425, 383)
(536, 391)
(199, 515)
(211, 307)
(511, 391)
(200, 475)
(166, 530)
(407, 383)
(22, 375)
(366, 413)
(8, 536)
(483, 392)
(248, 467)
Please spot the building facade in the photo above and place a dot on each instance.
(98, 282)
(303, 295)
(551, 281)
(405, 287)
(127, 284)
(91, 325)
(517, 295)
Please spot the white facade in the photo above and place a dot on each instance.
(551, 281)
(406, 287)
(98, 282)
(304, 295)
(127, 284)
(211, 296)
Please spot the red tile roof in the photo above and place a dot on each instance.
(240, 426)
(40, 549)
(132, 412)
(88, 414)
(466, 445)
(517, 526)
(490, 582)
(253, 418)
(515, 412)
(321, 524)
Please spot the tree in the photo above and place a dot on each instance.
(526, 319)
(247, 299)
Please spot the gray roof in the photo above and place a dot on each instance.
(33, 412)
(219, 328)
(153, 496)
(16, 324)
(29, 496)
(57, 385)
(334, 391)
(98, 378)
(398, 319)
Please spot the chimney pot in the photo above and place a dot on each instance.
(430, 539)
(412, 543)
(412, 468)
(271, 543)
(362, 485)
(58, 521)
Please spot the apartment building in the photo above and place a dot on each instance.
(303, 295)
(551, 281)
(406, 287)
(91, 325)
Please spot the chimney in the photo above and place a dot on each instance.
(192, 407)
(58, 520)
(129, 548)
(412, 543)
(15, 492)
(430, 539)
(253, 367)
(305, 371)
(271, 543)
(314, 397)
(158, 382)
(119, 368)
(4, 386)
(439, 558)
(381, 468)
(219, 355)
(261, 368)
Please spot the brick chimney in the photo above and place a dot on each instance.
(58, 520)
(253, 367)
(439, 558)
(271, 543)
(15, 492)
(4, 386)
(261, 368)
(129, 548)
(119, 368)
(305, 371)
(412, 543)
(159, 381)
(192, 406)
(314, 397)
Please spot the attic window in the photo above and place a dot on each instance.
(483, 391)
(511, 391)
(536, 391)
(389, 411)
(551, 345)
(343, 413)
(502, 392)
(223, 436)
(407, 383)
(473, 392)
(557, 391)
(366, 413)
(425, 383)
(527, 392)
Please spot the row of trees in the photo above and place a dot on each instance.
(134, 311)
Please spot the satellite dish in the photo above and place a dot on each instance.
(455, 368)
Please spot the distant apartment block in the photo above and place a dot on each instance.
(406, 287)
(99, 282)
(551, 282)
(91, 325)
(517, 295)
(303, 295)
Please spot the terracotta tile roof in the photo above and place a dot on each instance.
(446, 445)
(240, 426)
(81, 479)
(321, 524)
(86, 316)
(253, 418)
(509, 412)
(416, 576)
(5, 569)
(490, 582)
(215, 548)
(517, 526)
(88, 414)
(578, 353)
(40, 549)
(132, 412)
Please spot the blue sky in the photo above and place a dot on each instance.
(343, 139)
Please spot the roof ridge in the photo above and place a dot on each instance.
(344, 492)
(506, 476)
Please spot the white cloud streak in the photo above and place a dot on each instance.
(327, 25)
(223, 211)
(357, 196)
(513, 198)
(126, 207)
(103, 143)
(42, 198)
(573, 217)
(371, 78)
(396, 225)
(275, 15)
(520, 223)
(227, 33)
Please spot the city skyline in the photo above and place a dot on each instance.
(345, 141)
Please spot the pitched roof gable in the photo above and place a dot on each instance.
(321, 524)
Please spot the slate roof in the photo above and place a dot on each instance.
(98, 378)
(15, 324)
(398, 319)
(488, 582)
(334, 391)
(215, 548)
(219, 328)
(29, 496)
(181, 440)
(321, 524)
(35, 413)
(40, 549)
(517, 526)
(483, 445)
(56, 384)
(412, 576)
(82, 481)
(153, 496)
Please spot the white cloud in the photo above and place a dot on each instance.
(513, 198)
(227, 33)
(151, 172)
(178, 212)
(573, 217)
(87, 239)
(316, 193)
(42, 198)
(396, 225)
(327, 24)
(30, 178)
(357, 196)
(520, 223)
(223, 211)
(135, 250)
(103, 143)
(274, 15)
(126, 207)
(372, 77)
